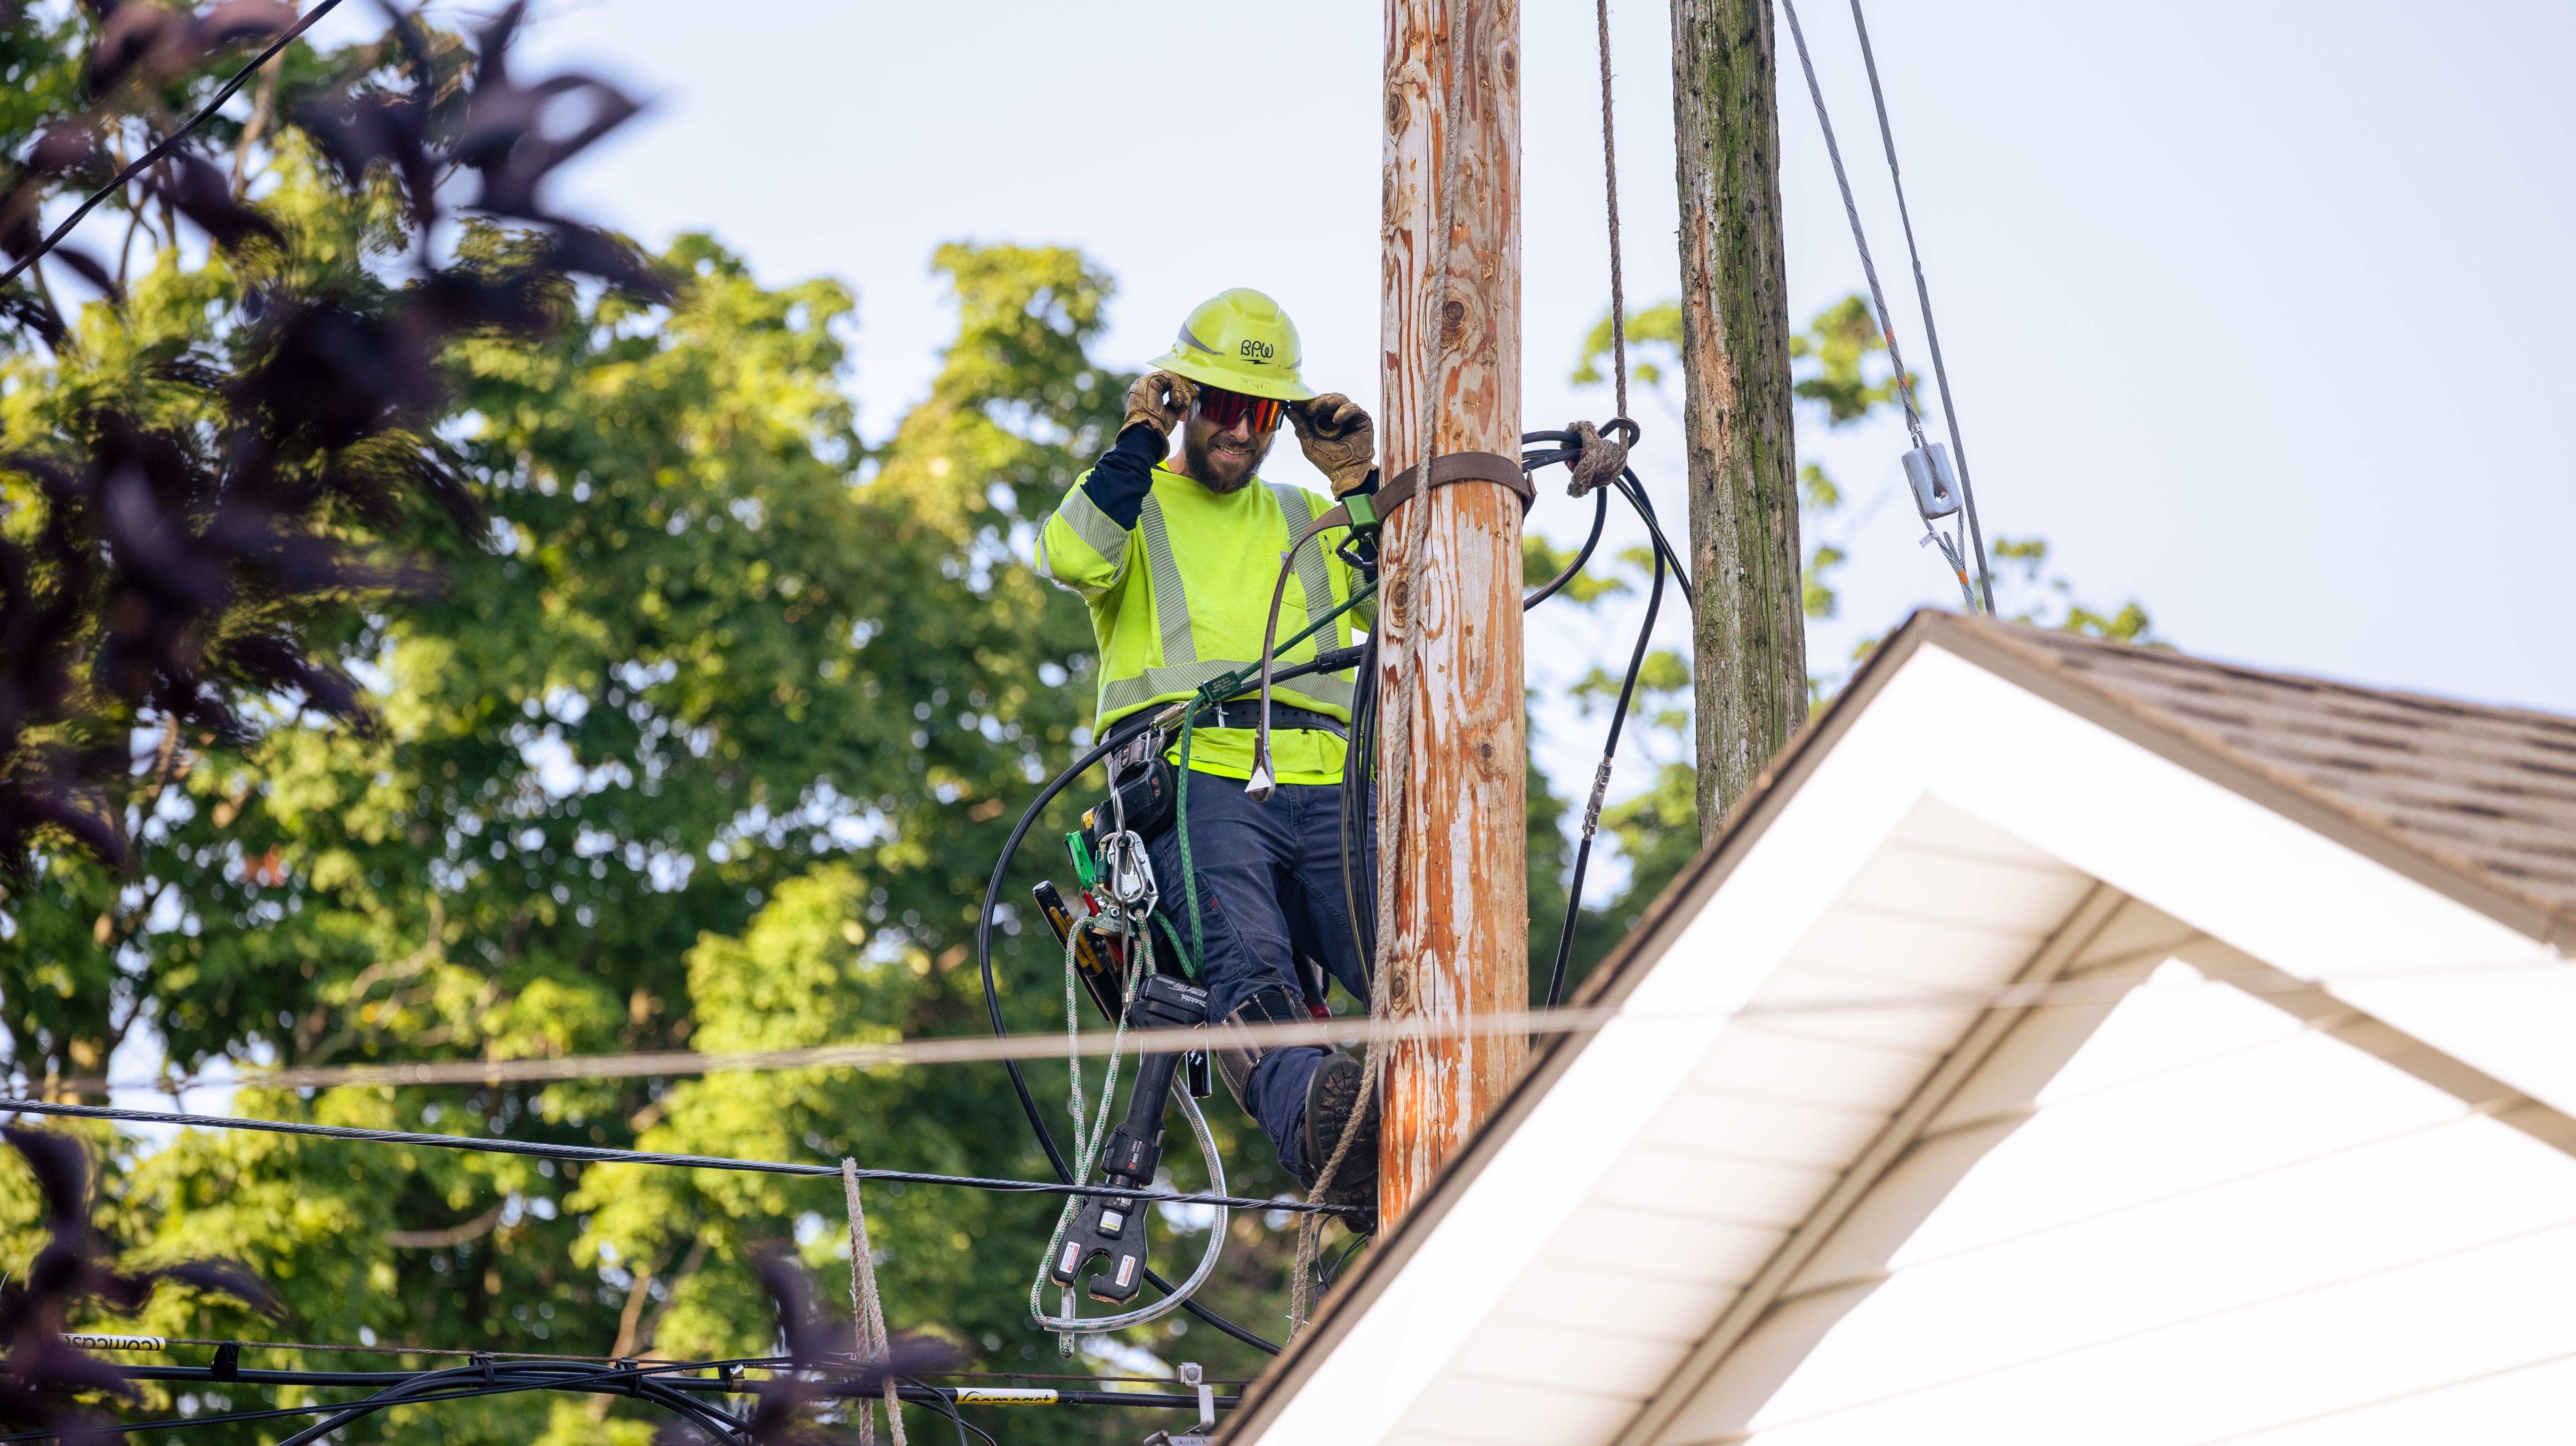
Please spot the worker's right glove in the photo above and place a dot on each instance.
(1338, 438)
(1159, 400)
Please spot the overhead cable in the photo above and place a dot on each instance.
(1878, 295)
(1931, 333)
(600, 1155)
(148, 158)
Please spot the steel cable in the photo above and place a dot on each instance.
(1931, 333)
(1878, 295)
(600, 1155)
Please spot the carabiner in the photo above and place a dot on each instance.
(1129, 874)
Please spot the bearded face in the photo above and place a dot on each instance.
(1223, 459)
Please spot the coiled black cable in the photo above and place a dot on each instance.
(1119, 736)
(1357, 796)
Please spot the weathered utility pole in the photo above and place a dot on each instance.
(1749, 637)
(1450, 825)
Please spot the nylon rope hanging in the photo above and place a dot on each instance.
(867, 1309)
(1878, 294)
(1086, 1145)
(1931, 333)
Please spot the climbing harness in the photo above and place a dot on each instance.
(1928, 470)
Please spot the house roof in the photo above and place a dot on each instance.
(1666, 1214)
(2489, 792)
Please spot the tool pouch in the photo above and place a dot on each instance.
(1148, 788)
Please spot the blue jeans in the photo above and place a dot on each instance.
(1270, 894)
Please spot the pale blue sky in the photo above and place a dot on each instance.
(2252, 310)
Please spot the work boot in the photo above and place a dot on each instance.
(1332, 1099)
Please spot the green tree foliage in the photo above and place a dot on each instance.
(2052, 604)
(709, 741)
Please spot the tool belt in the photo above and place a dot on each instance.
(1246, 713)
(1148, 785)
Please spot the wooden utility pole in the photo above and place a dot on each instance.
(1453, 760)
(1749, 636)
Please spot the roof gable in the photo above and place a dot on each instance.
(1977, 813)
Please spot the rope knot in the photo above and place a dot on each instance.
(1600, 459)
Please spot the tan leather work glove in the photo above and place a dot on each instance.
(1159, 400)
(1338, 438)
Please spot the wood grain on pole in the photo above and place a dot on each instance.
(1456, 843)
(1749, 635)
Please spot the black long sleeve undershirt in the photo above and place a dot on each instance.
(1125, 473)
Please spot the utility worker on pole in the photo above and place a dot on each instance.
(1177, 560)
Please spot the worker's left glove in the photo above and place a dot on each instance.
(1159, 400)
(1338, 438)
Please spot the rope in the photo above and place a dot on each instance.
(1086, 1145)
(867, 1310)
(1610, 179)
(1922, 293)
(1197, 956)
(146, 160)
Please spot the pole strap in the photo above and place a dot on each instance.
(1366, 512)
(1457, 467)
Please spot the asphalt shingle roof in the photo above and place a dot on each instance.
(2488, 790)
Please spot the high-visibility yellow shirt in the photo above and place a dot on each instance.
(1182, 598)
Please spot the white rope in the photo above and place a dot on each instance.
(867, 1309)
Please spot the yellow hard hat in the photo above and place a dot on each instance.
(1240, 340)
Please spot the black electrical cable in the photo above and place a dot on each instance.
(1332, 661)
(599, 1155)
(1355, 815)
(948, 1403)
(230, 89)
(484, 1379)
(1117, 739)
(1601, 783)
(1635, 492)
(1600, 515)
(660, 1376)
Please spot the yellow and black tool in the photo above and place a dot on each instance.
(1099, 961)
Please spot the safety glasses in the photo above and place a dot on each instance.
(1226, 408)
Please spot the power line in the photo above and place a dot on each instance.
(1931, 333)
(1337, 1032)
(600, 1155)
(145, 161)
(1886, 319)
